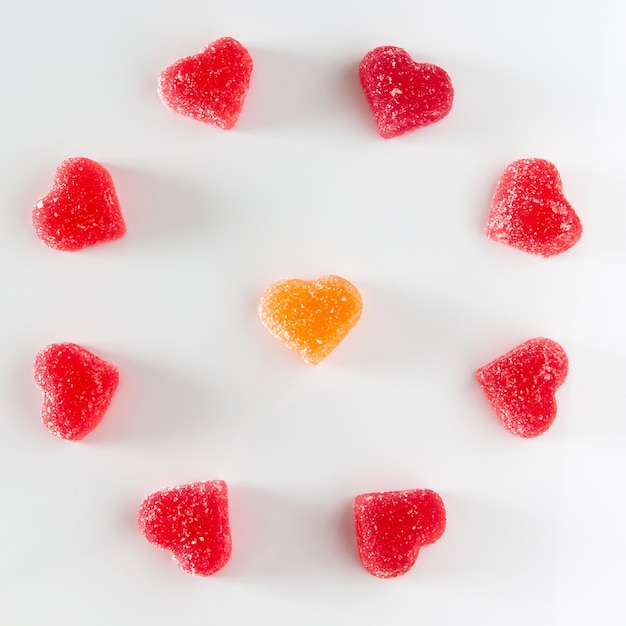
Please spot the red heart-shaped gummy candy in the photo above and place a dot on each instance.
(81, 209)
(521, 384)
(392, 526)
(192, 522)
(529, 211)
(210, 86)
(77, 386)
(402, 94)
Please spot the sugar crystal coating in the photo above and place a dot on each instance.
(392, 526)
(81, 209)
(210, 86)
(521, 385)
(77, 386)
(529, 211)
(311, 318)
(192, 522)
(403, 95)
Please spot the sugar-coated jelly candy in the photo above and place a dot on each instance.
(530, 212)
(210, 86)
(192, 522)
(81, 209)
(311, 318)
(392, 526)
(521, 385)
(402, 94)
(77, 388)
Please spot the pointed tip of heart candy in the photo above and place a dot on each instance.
(403, 95)
(81, 209)
(192, 522)
(521, 385)
(210, 86)
(77, 388)
(392, 526)
(529, 211)
(311, 317)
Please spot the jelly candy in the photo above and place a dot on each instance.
(529, 211)
(402, 94)
(77, 387)
(210, 86)
(311, 318)
(81, 209)
(192, 522)
(392, 526)
(520, 385)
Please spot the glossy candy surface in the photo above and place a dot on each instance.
(392, 526)
(529, 211)
(521, 385)
(311, 318)
(77, 386)
(81, 209)
(211, 86)
(192, 522)
(403, 95)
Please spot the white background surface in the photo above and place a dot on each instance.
(302, 187)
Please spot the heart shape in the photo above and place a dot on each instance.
(530, 212)
(192, 522)
(210, 86)
(392, 526)
(78, 387)
(521, 385)
(403, 95)
(311, 318)
(81, 209)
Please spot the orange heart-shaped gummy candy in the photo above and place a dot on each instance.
(311, 318)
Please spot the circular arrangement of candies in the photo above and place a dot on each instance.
(310, 317)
